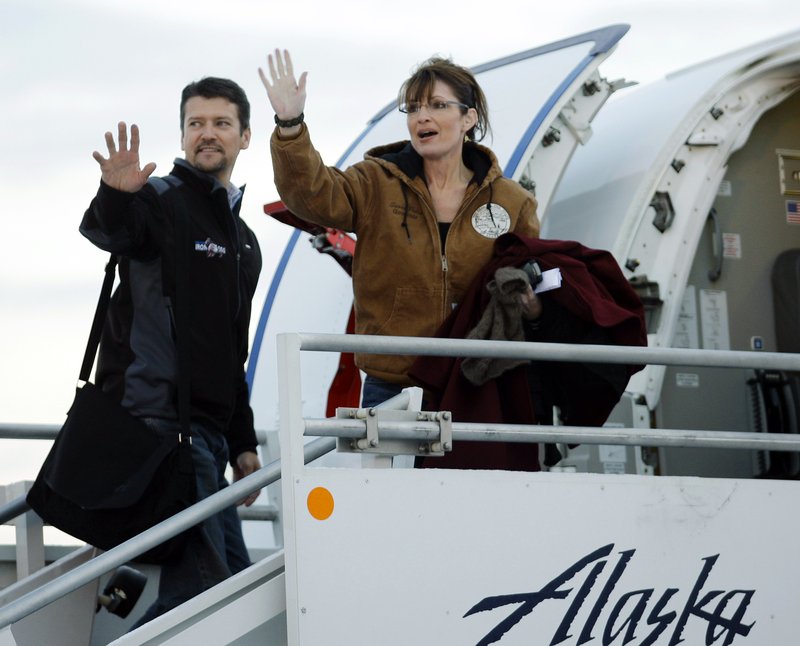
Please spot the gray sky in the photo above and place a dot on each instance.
(72, 68)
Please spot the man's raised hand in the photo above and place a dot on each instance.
(121, 169)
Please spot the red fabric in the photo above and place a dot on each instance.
(593, 289)
(279, 212)
(345, 388)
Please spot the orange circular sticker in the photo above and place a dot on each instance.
(320, 503)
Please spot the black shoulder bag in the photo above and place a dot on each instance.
(109, 476)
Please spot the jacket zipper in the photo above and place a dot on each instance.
(448, 307)
(233, 232)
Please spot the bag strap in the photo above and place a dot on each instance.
(182, 260)
(99, 319)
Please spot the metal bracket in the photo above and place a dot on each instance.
(716, 271)
(663, 209)
(372, 440)
(789, 169)
(437, 443)
(445, 441)
(553, 135)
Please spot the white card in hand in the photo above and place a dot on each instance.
(551, 279)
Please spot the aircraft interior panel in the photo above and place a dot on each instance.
(729, 305)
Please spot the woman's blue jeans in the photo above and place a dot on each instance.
(376, 391)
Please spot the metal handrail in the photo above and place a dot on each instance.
(422, 430)
(424, 346)
(12, 509)
(29, 431)
(416, 346)
(533, 433)
(166, 529)
(18, 506)
(49, 432)
(425, 430)
(148, 539)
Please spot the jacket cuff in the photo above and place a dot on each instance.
(278, 140)
(109, 194)
(235, 452)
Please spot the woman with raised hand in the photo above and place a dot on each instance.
(426, 211)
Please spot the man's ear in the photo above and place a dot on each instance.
(246, 138)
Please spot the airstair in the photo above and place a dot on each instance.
(377, 553)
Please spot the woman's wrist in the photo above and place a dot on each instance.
(289, 123)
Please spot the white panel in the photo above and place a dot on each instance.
(714, 319)
(406, 555)
(686, 335)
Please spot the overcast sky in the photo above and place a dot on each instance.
(72, 68)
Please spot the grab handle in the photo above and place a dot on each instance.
(716, 242)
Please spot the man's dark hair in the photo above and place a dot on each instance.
(212, 87)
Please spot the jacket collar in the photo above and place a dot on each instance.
(402, 156)
(188, 173)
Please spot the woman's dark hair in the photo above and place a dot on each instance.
(419, 87)
(212, 87)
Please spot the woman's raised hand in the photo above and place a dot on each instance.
(121, 169)
(287, 95)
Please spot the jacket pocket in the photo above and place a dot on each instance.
(414, 312)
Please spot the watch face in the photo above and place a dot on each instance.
(491, 220)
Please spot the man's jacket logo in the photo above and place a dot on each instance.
(211, 248)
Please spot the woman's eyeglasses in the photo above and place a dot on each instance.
(437, 105)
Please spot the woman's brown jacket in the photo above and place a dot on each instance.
(405, 281)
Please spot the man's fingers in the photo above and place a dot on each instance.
(134, 138)
(148, 169)
(112, 147)
(122, 135)
(247, 502)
